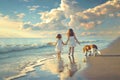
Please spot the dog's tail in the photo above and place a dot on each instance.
(98, 52)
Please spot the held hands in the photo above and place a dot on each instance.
(65, 43)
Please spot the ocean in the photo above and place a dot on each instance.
(17, 53)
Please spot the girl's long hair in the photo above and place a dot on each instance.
(70, 32)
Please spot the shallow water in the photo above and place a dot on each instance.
(15, 54)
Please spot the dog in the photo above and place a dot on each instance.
(90, 50)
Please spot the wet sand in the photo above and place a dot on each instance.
(102, 67)
(106, 66)
(52, 68)
(67, 67)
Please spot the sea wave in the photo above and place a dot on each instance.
(4, 48)
(92, 41)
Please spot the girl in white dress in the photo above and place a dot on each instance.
(59, 45)
(71, 41)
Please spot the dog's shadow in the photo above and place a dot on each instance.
(108, 56)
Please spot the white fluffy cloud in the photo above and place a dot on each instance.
(52, 16)
(69, 14)
(70, 7)
(20, 15)
(94, 16)
(52, 20)
(33, 8)
(55, 18)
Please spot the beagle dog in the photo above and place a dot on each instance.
(91, 50)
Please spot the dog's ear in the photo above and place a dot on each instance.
(94, 46)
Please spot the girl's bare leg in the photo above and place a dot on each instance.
(69, 51)
(59, 55)
(72, 51)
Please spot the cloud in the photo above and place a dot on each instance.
(33, 8)
(52, 16)
(5, 21)
(52, 20)
(26, 0)
(28, 26)
(101, 33)
(88, 33)
(70, 14)
(12, 28)
(56, 18)
(20, 15)
(88, 25)
(91, 17)
(70, 7)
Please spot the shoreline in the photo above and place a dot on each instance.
(102, 67)
(105, 66)
(66, 68)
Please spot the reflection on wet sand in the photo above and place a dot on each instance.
(64, 67)
(60, 65)
(72, 66)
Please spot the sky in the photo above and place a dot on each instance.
(42, 18)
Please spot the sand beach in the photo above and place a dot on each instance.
(100, 67)
(105, 66)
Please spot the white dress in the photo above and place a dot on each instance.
(72, 42)
(59, 45)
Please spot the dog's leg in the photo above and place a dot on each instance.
(85, 53)
(92, 51)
